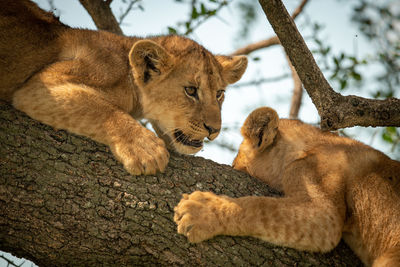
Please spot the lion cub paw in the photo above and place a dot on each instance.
(141, 152)
(199, 216)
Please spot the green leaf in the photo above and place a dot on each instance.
(391, 135)
(343, 84)
(356, 76)
(172, 30)
(391, 130)
(336, 61)
(211, 12)
(377, 94)
(203, 9)
(195, 14)
(387, 138)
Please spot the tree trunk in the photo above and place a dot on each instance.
(102, 16)
(65, 200)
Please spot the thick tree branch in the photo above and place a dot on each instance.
(101, 13)
(65, 201)
(274, 40)
(336, 111)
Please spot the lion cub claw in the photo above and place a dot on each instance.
(199, 215)
(143, 153)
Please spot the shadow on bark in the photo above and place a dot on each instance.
(65, 200)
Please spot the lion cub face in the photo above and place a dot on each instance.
(182, 88)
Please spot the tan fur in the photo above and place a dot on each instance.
(334, 188)
(96, 84)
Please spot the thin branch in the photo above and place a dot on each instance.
(127, 10)
(336, 111)
(102, 15)
(260, 81)
(256, 46)
(9, 262)
(299, 9)
(274, 40)
(297, 92)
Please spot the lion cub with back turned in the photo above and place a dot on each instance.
(334, 188)
(97, 84)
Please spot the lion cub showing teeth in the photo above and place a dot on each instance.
(97, 84)
(334, 188)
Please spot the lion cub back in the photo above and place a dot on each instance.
(28, 38)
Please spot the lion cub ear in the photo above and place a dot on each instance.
(261, 127)
(149, 61)
(233, 67)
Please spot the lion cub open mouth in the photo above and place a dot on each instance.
(185, 140)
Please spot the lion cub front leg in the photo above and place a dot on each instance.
(85, 111)
(290, 222)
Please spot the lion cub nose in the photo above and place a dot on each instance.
(210, 130)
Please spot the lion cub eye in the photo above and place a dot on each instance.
(191, 91)
(220, 94)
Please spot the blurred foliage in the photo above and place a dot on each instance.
(379, 21)
(248, 17)
(343, 70)
(200, 12)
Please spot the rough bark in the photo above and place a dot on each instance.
(102, 16)
(336, 111)
(65, 200)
